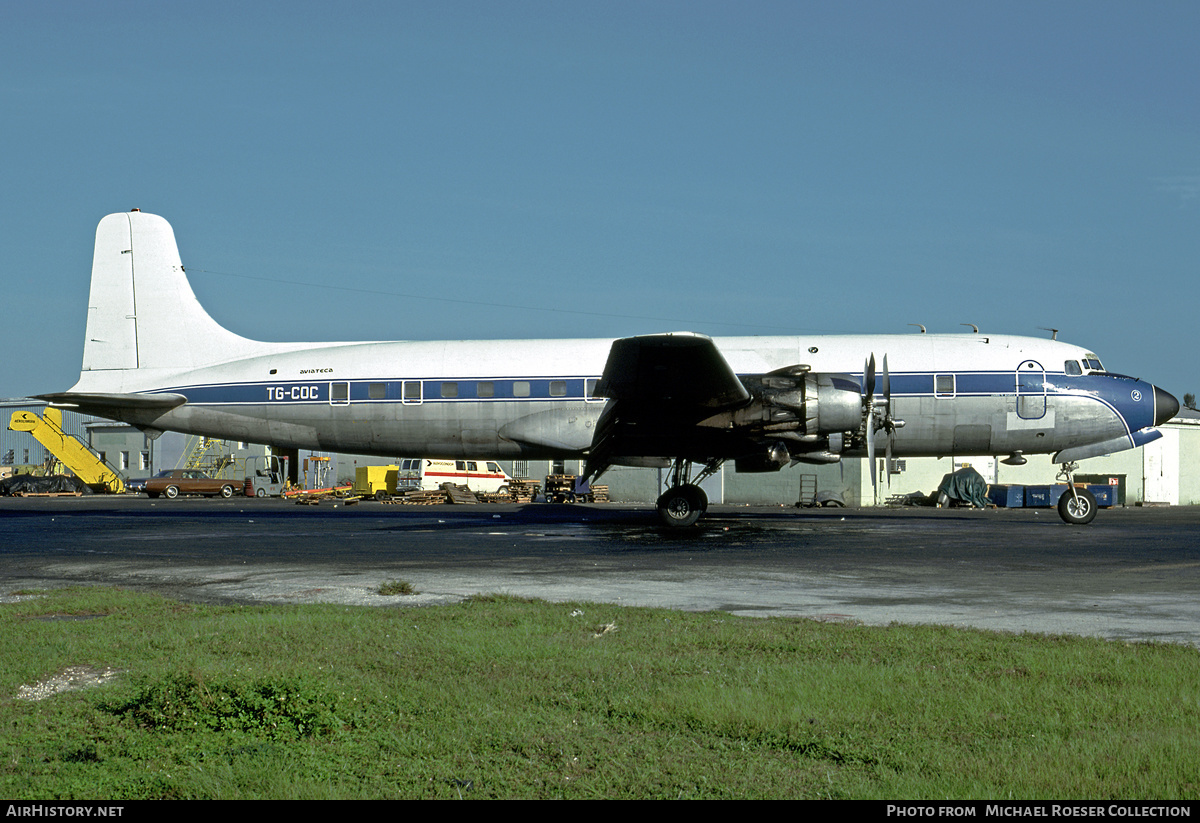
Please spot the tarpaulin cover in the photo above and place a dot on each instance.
(966, 485)
(33, 484)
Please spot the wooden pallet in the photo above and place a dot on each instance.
(459, 494)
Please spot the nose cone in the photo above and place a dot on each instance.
(1165, 406)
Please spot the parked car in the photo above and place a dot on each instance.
(174, 482)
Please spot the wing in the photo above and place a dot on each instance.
(660, 387)
(680, 369)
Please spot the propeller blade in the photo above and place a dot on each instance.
(887, 460)
(869, 378)
(886, 387)
(871, 448)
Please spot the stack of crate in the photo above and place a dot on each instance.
(523, 491)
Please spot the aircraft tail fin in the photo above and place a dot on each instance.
(142, 313)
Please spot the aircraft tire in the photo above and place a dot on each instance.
(171, 491)
(1077, 509)
(681, 506)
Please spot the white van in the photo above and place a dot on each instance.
(476, 475)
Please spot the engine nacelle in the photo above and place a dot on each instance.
(774, 458)
(833, 403)
(798, 402)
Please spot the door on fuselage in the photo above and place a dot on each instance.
(1031, 390)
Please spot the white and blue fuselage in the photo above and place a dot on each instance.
(154, 358)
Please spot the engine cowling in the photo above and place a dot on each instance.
(796, 415)
(797, 402)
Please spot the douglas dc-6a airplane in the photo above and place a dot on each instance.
(154, 358)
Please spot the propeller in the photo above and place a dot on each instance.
(877, 414)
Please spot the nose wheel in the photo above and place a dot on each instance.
(1077, 506)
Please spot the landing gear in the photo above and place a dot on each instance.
(1077, 506)
(684, 503)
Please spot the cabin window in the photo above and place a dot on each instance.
(460, 466)
(339, 392)
(1072, 367)
(377, 391)
(589, 388)
(485, 388)
(558, 388)
(449, 390)
(521, 388)
(412, 391)
(943, 385)
(471, 466)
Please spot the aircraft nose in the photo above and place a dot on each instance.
(1165, 406)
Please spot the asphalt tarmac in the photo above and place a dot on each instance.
(1133, 574)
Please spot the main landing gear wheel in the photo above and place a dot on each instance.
(682, 506)
(1077, 507)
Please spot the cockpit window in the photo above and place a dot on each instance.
(1072, 367)
(1092, 363)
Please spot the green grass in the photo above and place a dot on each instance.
(500, 697)
(395, 587)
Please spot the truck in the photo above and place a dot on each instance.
(477, 475)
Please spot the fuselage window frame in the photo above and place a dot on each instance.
(944, 385)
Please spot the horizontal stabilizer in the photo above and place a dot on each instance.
(101, 404)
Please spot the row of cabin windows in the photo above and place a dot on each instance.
(485, 388)
(340, 392)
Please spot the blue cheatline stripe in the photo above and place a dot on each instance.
(386, 391)
(391, 390)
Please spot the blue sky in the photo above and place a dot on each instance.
(397, 170)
